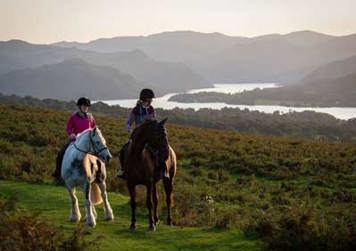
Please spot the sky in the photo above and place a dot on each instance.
(48, 21)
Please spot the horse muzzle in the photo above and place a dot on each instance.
(106, 156)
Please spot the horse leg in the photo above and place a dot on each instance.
(94, 211)
(107, 208)
(90, 219)
(132, 192)
(155, 204)
(168, 187)
(149, 204)
(75, 212)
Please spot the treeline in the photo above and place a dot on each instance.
(308, 124)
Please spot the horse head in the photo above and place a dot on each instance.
(99, 145)
(157, 138)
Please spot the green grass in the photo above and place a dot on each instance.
(53, 203)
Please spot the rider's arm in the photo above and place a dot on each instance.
(130, 121)
(71, 127)
(152, 113)
(92, 121)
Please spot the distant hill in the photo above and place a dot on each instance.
(70, 79)
(332, 70)
(219, 58)
(280, 58)
(164, 77)
(182, 60)
(338, 92)
(333, 84)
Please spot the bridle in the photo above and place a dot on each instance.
(96, 151)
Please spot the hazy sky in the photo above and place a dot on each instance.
(45, 21)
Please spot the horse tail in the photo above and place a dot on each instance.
(95, 194)
(172, 162)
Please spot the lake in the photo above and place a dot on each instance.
(163, 102)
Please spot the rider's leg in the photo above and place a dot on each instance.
(59, 159)
(121, 172)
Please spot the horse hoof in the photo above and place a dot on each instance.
(109, 218)
(152, 228)
(132, 228)
(74, 219)
(169, 222)
(91, 223)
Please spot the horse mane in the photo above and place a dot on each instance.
(143, 126)
(83, 132)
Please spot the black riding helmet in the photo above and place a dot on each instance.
(83, 101)
(146, 94)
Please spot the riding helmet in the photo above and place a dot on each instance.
(146, 94)
(83, 101)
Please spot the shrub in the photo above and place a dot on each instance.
(22, 231)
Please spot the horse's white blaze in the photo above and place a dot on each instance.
(75, 174)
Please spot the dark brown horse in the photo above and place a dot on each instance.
(144, 160)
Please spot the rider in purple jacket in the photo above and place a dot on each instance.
(141, 112)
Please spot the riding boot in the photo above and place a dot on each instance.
(121, 172)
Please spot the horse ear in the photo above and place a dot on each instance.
(163, 121)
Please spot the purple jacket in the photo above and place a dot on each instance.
(139, 114)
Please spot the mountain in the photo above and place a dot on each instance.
(306, 38)
(332, 70)
(194, 49)
(284, 58)
(287, 59)
(69, 80)
(171, 46)
(333, 84)
(165, 77)
(183, 60)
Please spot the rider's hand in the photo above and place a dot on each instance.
(72, 136)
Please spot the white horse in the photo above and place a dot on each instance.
(83, 165)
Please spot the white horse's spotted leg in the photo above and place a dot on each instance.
(107, 208)
(90, 219)
(75, 212)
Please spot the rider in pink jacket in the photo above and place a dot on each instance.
(78, 122)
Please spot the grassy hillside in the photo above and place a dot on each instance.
(53, 204)
(293, 194)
